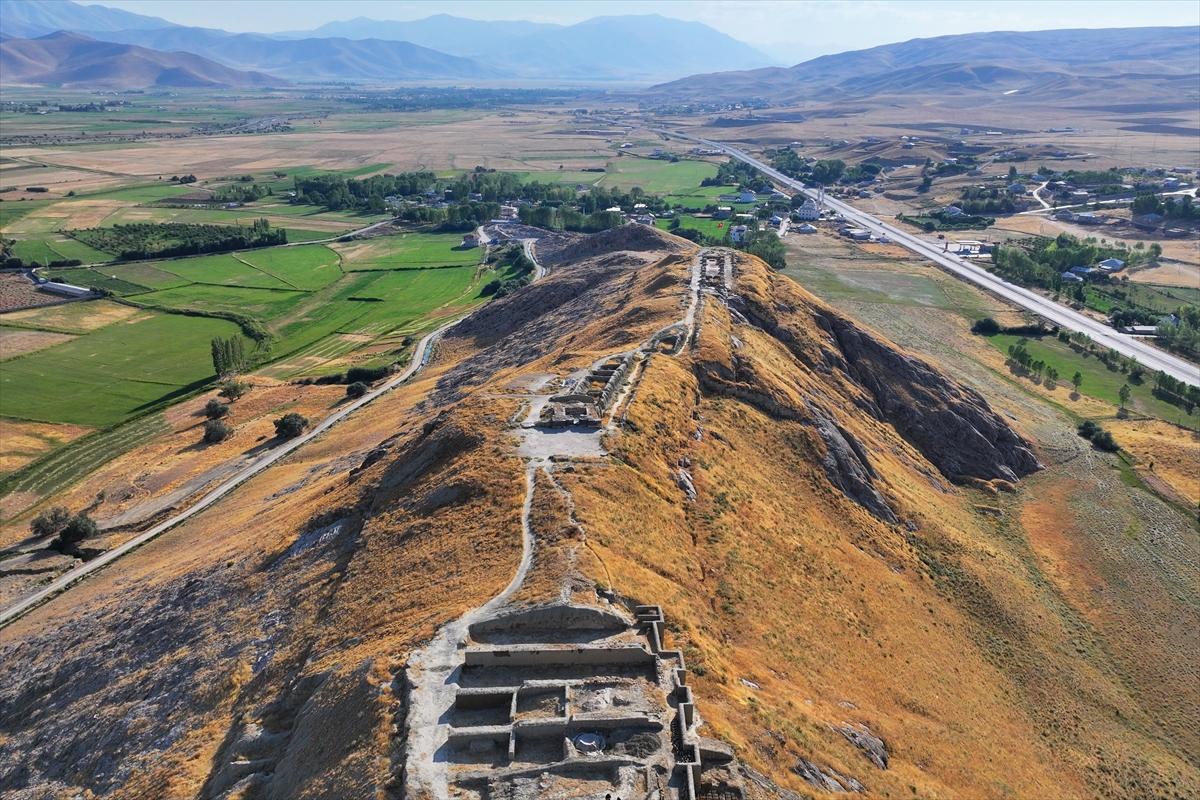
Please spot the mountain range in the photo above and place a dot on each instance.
(627, 48)
(68, 59)
(1061, 63)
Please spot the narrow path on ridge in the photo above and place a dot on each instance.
(433, 670)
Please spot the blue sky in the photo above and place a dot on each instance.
(787, 30)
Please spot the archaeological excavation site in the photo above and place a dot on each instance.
(659, 525)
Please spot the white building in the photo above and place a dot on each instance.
(809, 211)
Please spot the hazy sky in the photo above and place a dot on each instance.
(788, 31)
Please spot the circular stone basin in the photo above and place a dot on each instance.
(589, 743)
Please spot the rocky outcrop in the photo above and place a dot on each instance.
(826, 778)
(952, 425)
(861, 737)
(848, 467)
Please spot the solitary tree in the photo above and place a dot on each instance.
(215, 409)
(79, 528)
(1077, 380)
(1124, 394)
(216, 430)
(290, 425)
(232, 390)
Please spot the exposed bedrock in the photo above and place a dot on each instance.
(950, 424)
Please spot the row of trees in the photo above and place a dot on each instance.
(1176, 391)
(228, 355)
(1037, 367)
(145, 240)
(569, 219)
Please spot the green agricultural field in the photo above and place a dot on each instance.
(1098, 380)
(406, 251)
(707, 193)
(304, 235)
(710, 227)
(112, 373)
(93, 279)
(221, 270)
(307, 268)
(57, 248)
(658, 177)
(69, 248)
(144, 275)
(35, 250)
(146, 193)
(261, 304)
(12, 211)
(408, 295)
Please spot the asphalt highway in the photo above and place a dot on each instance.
(1151, 357)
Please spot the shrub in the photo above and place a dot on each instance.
(326, 380)
(986, 326)
(216, 431)
(1098, 436)
(290, 425)
(232, 390)
(50, 522)
(215, 409)
(79, 528)
(356, 389)
(365, 374)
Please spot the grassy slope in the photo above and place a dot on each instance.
(111, 373)
(953, 639)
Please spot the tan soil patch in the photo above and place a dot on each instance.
(17, 292)
(16, 342)
(21, 442)
(79, 317)
(1172, 273)
(90, 213)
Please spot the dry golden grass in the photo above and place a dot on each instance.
(22, 441)
(549, 576)
(412, 558)
(975, 644)
(1169, 274)
(78, 317)
(1165, 452)
(937, 638)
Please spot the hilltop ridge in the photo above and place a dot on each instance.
(830, 526)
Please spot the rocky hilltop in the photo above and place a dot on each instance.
(756, 549)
